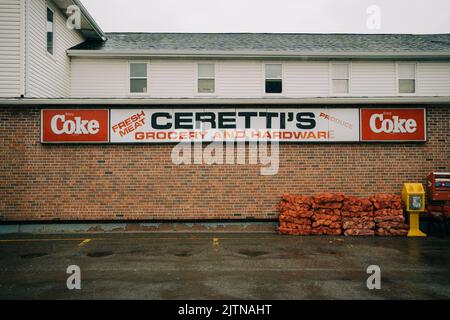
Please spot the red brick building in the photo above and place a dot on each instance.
(71, 70)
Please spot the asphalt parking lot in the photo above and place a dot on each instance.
(221, 266)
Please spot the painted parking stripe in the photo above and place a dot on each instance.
(84, 242)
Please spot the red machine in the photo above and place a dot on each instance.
(438, 185)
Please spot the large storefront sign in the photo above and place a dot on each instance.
(173, 125)
(393, 124)
(74, 126)
(231, 124)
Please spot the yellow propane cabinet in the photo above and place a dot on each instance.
(413, 195)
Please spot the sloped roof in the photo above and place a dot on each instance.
(267, 43)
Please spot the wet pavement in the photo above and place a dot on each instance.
(222, 266)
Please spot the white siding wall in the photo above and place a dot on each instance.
(11, 40)
(239, 79)
(433, 78)
(373, 79)
(306, 79)
(171, 78)
(48, 76)
(245, 79)
(99, 78)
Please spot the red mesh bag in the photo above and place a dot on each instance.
(328, 197)
(359, 232)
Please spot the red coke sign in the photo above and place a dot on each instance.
(393, 124)
(74, 126)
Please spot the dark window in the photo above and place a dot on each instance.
(49, 31)
(274, 86)
(274, 78)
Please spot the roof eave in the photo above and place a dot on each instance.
(424, 100)
(256, 54)
(94, 25)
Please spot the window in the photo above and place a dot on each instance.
(407, 78)
(138, 77)
(340, 75)
(206, 78)
(274, 78)
(49, 31)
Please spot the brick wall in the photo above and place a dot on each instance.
(110, 182)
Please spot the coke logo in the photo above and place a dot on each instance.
(379, 124)
(60, 125)
(393, 124)
(74, 125)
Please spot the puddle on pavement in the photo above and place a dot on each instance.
(99, 254)
(33, 255)
(183, 254)
(253, 253)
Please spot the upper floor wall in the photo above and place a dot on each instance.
(11, 48)
(170, 78)
(48, 75)
(26, 67)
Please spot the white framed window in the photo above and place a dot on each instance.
(50, 31)
(206, 78)
(138, 77)
(406, 74)
(273, 78)
(340, 78)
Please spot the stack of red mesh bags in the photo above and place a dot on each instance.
(357, 217)
(295, 215)
(326, 218)
(388, 215)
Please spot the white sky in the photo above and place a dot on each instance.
(349, 16)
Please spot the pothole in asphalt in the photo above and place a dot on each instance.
(33, 255)
(253, 253)
(99, 254)
(183, 254)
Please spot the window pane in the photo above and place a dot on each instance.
(406, 71)
(50, 42)
(407, 86)
(339, 71)
(49, 31)
(340, 86)
(206, 70)
(205, 86)
(138, 70)
(273, 71)
(138, 85)
(274, 86)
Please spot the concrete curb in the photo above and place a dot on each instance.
(253, 227)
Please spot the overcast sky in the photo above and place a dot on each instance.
(397, 16)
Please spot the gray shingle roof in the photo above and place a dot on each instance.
(269, 42)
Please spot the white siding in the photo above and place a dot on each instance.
(48, 76)
(10, 48)
(239, 79)
(433, 78)
(306, 79)
(172, 79)
(103, 77)
(373, 79)
(99, 78)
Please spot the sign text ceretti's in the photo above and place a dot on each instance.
(232, 124)
(74, 125)
(148, 125)
(393, 124)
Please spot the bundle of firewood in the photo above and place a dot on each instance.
(295, 214)
(334, 214)
(388, 216)
(357, 217)
(326, 218)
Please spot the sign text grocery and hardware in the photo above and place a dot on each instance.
(149, 125)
